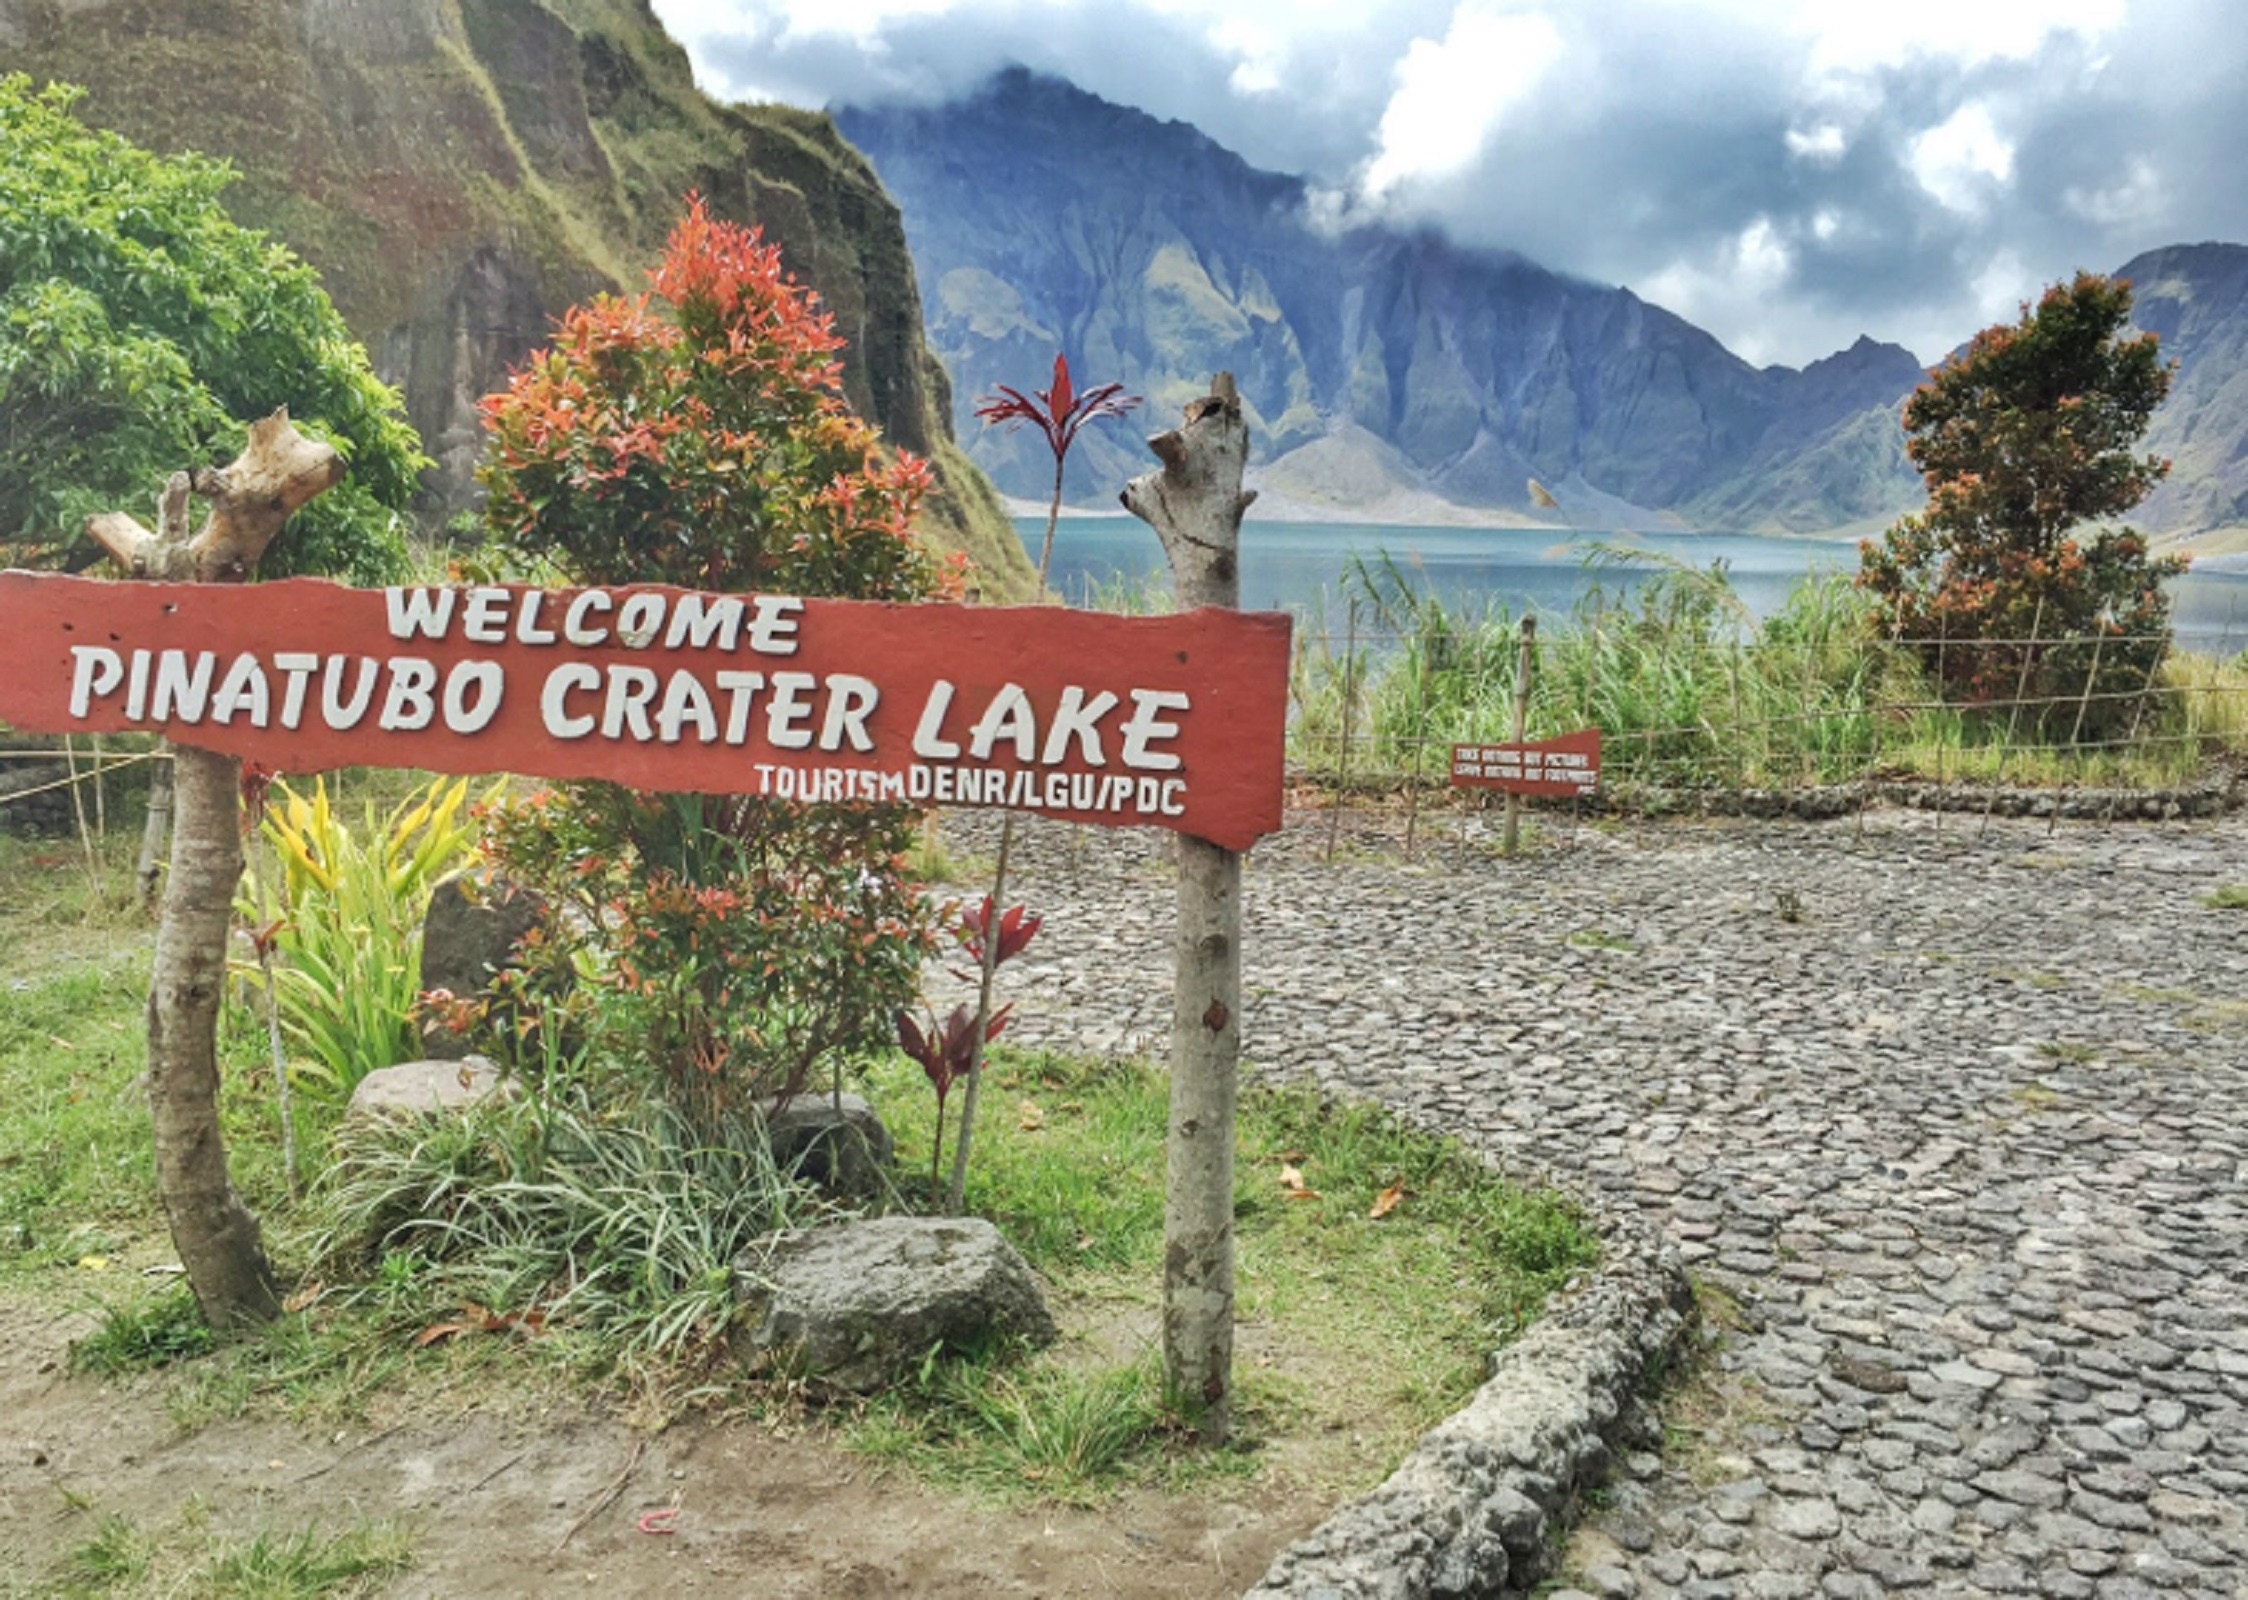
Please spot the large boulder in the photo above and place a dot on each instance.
(858, 1304)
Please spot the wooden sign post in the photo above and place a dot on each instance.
(1175, 722)
(220, 1244)
(1195, 503)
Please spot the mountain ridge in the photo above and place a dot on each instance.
(1034, 226)
(1384, 368)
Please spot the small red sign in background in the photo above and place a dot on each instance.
(1562, 768)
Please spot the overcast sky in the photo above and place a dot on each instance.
(1787, 173)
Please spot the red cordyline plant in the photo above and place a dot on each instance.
(953, 1050)
(947, 1053)
(1058, 413)
(1016, 929)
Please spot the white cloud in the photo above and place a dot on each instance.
(2136, 199)
(2002, 286)
(1850, 36)
(1451, 94)
(1917, 166)
(1960, 159)
(1822, 144)
(1727, 285)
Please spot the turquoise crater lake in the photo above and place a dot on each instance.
(1299, 567)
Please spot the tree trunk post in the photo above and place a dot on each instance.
(215, 1234)
(1195, 503)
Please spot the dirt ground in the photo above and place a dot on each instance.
(504, 1499)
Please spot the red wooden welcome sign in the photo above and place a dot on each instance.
(1175, 722)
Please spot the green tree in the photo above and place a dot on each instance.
(141, 331)
(2023, 437)
(697, 435)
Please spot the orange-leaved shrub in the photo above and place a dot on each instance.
(2024, 436)
(697, 435)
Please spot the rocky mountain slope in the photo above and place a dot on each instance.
(2196, 298)
(1398, 376)
(462, 170)
(1386, 372)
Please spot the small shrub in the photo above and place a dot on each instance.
(697, 435)
(551, 1214)
(346, 923)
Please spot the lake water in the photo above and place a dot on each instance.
(1299, 566)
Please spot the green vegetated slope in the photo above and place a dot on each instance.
(461, 170)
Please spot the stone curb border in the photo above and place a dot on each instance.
(1824, 802)
(1479, 1506)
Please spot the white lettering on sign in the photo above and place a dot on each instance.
(1009, 718)
(765, 624)
(187, 687)
(1564, 767)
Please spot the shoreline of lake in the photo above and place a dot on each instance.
(1299, 566)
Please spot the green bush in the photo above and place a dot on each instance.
(698, 436)
(142, 331)
(346, 921)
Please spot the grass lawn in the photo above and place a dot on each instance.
(1378, 1268)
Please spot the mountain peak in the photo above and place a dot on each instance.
(1043, 217)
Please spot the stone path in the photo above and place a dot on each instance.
(1956, 1118)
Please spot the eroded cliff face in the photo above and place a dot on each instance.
(460, 171)
(2196, 298)
(1383, 371)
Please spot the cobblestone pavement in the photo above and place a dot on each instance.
(1956, 1116)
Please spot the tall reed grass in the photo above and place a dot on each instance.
(1691, 690)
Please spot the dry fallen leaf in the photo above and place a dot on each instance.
(1386, 1201)
(1031, 1118)
(303, 1297)
(482, 1319)
(1292, 1183)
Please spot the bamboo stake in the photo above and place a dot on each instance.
(1525, 655)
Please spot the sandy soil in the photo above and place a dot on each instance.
(504, 1499)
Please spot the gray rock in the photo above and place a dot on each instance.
(835, 1141)
(426, 1088)
(856, 1304)
(1806, 1519)
(467, 938)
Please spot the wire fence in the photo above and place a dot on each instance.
(1808, 714)
(1697, 711)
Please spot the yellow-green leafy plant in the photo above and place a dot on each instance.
(345, 924)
